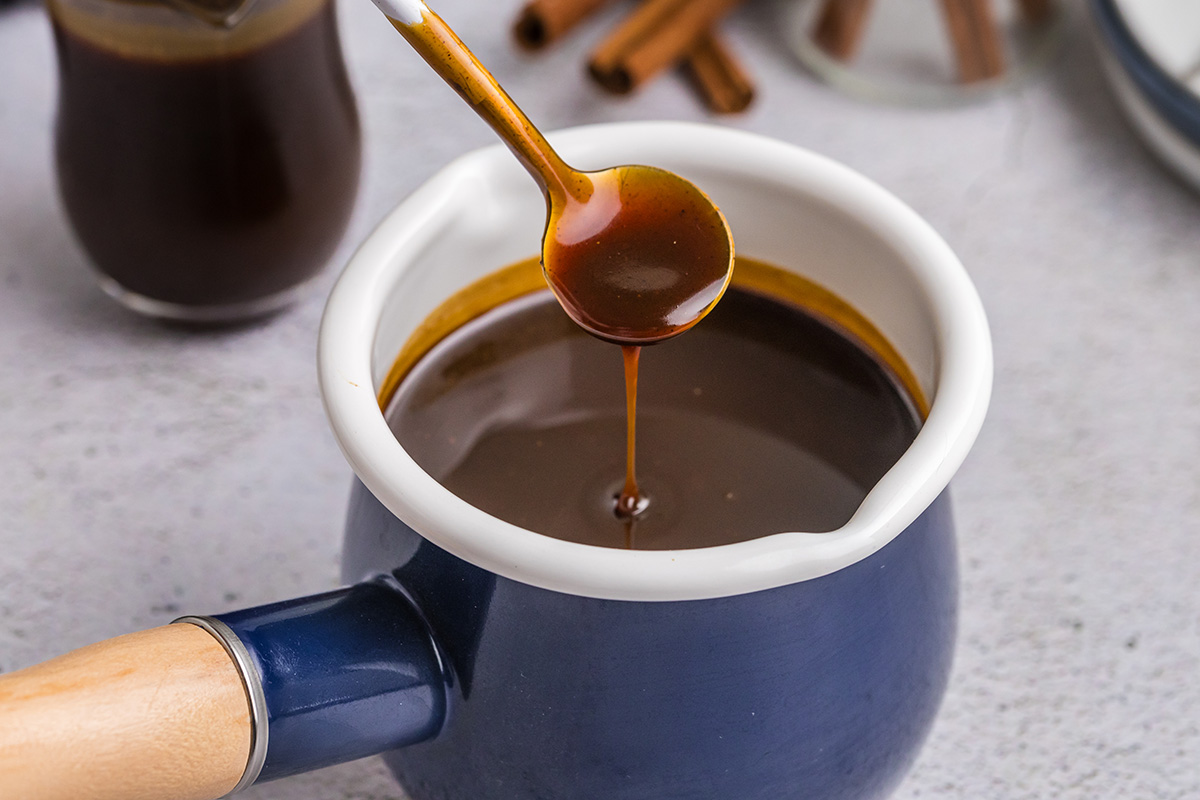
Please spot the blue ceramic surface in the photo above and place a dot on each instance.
(820, 689)
(346, 674)
(1175, 103)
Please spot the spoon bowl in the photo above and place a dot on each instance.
(640, 256)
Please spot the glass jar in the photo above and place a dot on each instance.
(208, 151)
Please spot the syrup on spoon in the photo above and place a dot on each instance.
(634, 254)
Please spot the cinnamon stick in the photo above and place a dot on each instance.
(975, 38)
(657, 34)
(722, 82)
(1036, 10)
(543, 21)
(840, 27)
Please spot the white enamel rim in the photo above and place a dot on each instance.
(964, 357)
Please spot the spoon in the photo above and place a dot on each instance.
(634, 254)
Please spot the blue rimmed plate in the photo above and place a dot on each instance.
(1151, 55)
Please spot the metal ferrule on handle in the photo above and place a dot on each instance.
(333, 677)
(254, 694)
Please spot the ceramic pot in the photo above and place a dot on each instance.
(491, 661)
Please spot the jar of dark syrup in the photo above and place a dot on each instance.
(208, 151)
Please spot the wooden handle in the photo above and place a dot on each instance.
(156, 715)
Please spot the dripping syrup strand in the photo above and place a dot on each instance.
(629, 501)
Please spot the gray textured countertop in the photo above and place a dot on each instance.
(147, 473)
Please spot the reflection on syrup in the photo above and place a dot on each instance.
(634, 254)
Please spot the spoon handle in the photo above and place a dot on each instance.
(441, 48)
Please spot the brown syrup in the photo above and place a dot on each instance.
(772, 416)
(645, 260)
(206, 180)
(628, 501)
(635, 255)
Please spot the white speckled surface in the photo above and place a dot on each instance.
(147, 473)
